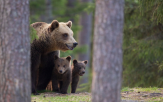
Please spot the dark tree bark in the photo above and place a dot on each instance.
(85, 38)
(15, 84)
(107, 55)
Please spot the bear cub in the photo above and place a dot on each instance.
(61, 75)
(78, 69)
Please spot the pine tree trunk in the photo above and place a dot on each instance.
(107, 55)
(15, 84)
(48, 12)
(85, 39)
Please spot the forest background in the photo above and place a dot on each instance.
(142, 40)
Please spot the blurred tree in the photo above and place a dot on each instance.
(84, 39)
(48, 11)
(14, 51)
(107, 52)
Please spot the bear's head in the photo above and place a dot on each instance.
(59, 34)
(79, 66)
(62, 64)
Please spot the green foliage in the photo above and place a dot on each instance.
(33, 34)
(142, 57)
(37, 8)
(153, 8)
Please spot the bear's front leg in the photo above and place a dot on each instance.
(65, 83)
(55, 85)
(64, 87)
(74, 84)
(35, 63)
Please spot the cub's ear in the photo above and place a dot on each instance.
(56, 57)
(75, 61)
(69, 24)
(68, 58)
(37, 25)
(54, 24)
(85, 61)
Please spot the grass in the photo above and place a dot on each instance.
(55, 97)
(140, 94)
(125, 89)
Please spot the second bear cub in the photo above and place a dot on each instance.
(78, 69)
(61, 75)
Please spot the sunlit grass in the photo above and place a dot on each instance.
(53, 97)
(127, 93)
(150, 89)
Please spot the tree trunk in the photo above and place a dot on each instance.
(15, 84)
(85, 39)
(48, 11)
(107, 55)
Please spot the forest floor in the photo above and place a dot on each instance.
(56, 97)
(142, 94)
(127, 95)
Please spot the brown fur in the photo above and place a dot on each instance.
(45, 70)
(61, 75)
(78, 69)
(51, 38)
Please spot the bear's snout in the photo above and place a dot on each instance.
(83, 72)
(60, 71)
(75, 44)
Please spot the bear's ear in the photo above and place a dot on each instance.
(56, 57)
(54, 24)
(75, 61)
(69, 24)
(68, 58)
(37, 25)
(85, 62)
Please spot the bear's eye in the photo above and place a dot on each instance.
(58, 65)
(65, 35)
(64, 66)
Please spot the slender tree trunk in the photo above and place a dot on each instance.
(48, 11)
(15, 84)
(107, 56)
(85, 38)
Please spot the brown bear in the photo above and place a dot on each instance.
(61, 75)
(78, 69)
(51, 37)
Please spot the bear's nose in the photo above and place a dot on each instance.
(75, 44)
(83, 72)
(60, 71)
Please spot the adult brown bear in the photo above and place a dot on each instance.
(51, 37)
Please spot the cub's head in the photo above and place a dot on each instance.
(62, 64)
(58, 32)
(79, 66)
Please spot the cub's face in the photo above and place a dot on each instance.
(62, 64)
(59, 32)
(80, 66)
